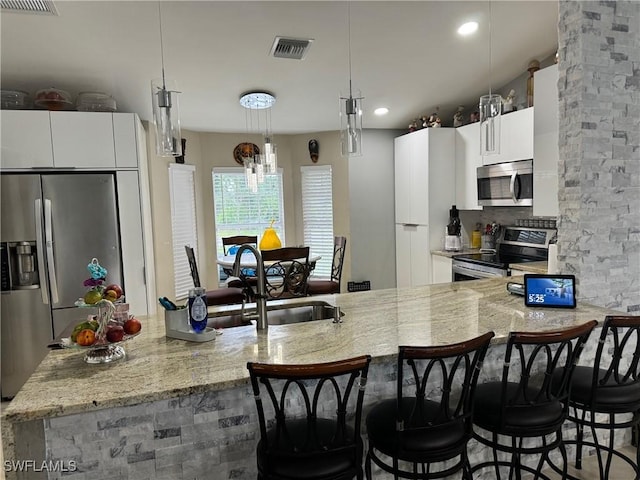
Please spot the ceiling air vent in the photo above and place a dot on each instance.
(295, 48)
(45, 7)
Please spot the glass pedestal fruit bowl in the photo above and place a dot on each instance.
(102, 351)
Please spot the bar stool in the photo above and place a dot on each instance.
(310, 419)
(611, 387)
(433, 423)
(526, 403)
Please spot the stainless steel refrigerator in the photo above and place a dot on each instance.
(52, 226)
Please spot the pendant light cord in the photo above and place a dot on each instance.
(349, 33)
(161, 46)
(490, 72)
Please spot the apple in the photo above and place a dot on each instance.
(132, 326)
(115, 334)
(116, 288)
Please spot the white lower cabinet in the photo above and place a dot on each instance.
(413, 258)
(441, 268)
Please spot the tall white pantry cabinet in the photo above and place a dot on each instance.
(424, 192)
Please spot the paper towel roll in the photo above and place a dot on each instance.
(552, 265)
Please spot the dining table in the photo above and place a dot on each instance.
(248, 261)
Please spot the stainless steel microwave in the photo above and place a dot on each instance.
(508, 184)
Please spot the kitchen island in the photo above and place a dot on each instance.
(175, 409)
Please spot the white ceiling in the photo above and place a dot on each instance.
(405, 55)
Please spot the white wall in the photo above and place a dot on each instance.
(363, 200)
(371, 202)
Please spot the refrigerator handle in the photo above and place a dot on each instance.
(48, 236)
(40, 251)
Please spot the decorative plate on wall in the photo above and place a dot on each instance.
(245, 150)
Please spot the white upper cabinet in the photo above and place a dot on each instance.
(26, 139)
(545, 151)
(83, 140)
(79, 140)
(516, 138)
(125, 139)
(424, 175)
(468, 159)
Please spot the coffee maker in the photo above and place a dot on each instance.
(452, 240)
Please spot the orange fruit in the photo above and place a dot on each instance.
(86, 337)
(110, 295)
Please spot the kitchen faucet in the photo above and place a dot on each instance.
(261, 294)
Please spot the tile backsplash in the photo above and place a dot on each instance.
(500, 215)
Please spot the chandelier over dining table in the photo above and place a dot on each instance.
(258, 106)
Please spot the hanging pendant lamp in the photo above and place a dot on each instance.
(166, 117)
(351, 114)
(259, 165)
(490, 108)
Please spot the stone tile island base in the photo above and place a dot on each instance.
(202, 436)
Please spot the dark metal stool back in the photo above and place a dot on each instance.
(611, 387)
(286, 272)
(530, 399)
(429, 421)
(310, 418)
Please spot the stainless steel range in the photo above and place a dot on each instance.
(515, 245)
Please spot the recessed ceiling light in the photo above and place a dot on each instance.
(381, 111)
(467, 28)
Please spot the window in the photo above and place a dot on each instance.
(183, 224)
(239, 212)
(317, 215)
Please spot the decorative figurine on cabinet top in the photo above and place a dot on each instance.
(509, 102)
(458, 119)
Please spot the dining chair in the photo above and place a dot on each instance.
(229, 247)
(606, 394)
(522, 414)
(332, 285)
(220, 296)
(286, 272)
(310, 417)
(430, 420)
(235, 241)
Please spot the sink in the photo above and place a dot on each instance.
(279, 312)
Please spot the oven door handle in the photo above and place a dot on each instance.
(469, 272)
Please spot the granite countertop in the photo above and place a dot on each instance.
(533, 267)
(374, 322)
(449, 254)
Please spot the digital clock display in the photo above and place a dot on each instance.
(549, 291)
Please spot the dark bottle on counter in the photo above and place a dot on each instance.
(197, 309)
(454, 226)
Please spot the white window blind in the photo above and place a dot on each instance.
(183, 224)
(238, 211)
(317, 215)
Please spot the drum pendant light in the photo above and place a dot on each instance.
(166, 117)
(351, 113)
(490, 114)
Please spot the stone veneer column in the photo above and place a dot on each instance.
(599, 138)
